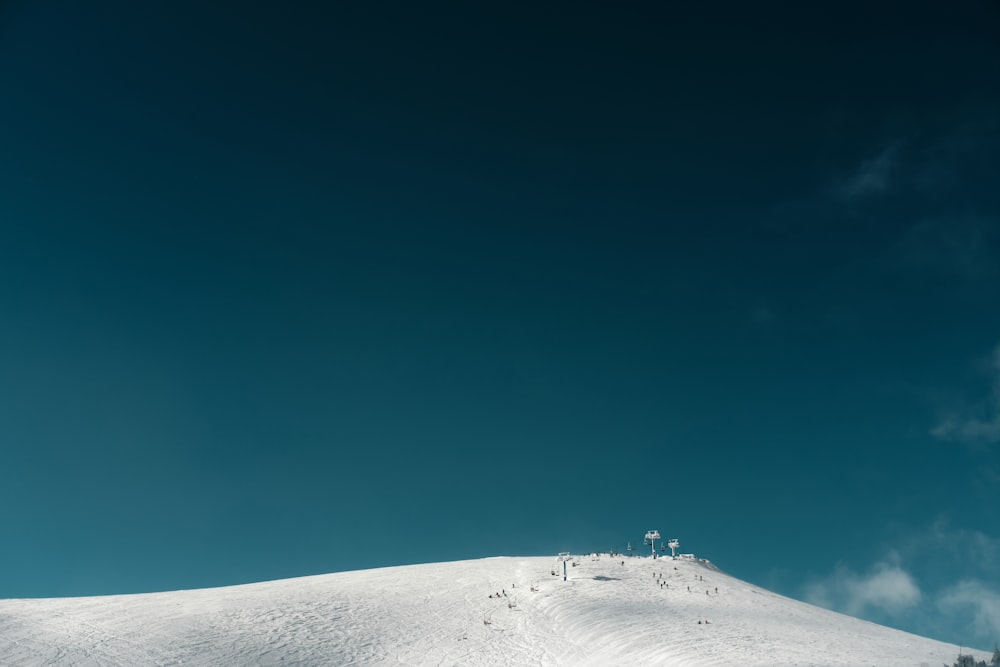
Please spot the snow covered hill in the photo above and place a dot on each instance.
(495, 611)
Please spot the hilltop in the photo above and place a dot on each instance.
(494, 611)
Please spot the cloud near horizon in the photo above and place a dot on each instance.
(977, 599)
(967, 605)
(886, 587)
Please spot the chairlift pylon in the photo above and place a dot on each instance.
(674, 545)
(650, 539)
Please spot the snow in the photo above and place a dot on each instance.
(442, 614)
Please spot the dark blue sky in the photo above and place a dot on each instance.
(289, 291)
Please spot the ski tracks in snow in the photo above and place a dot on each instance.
(468, 613)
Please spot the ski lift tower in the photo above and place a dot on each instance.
(564, 556)
(651, 537)
(674, 545)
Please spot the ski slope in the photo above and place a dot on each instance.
(607, 613)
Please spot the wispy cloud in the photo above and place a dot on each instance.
(936, 583)
(885, 587)
(963, 547)
(969, 430)
(976, 600)
(872, 177)
(954, 246)
(978, 424)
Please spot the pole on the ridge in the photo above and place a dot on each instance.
(564, 556)
(651, 537)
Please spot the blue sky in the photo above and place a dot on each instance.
(289, 292)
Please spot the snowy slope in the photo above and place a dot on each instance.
(442, 614)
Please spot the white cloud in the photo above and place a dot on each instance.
(977, 425)
(957, 593)
(886, 587)
(976, 599)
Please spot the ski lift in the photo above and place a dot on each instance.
(651, 537)
(565, 556)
